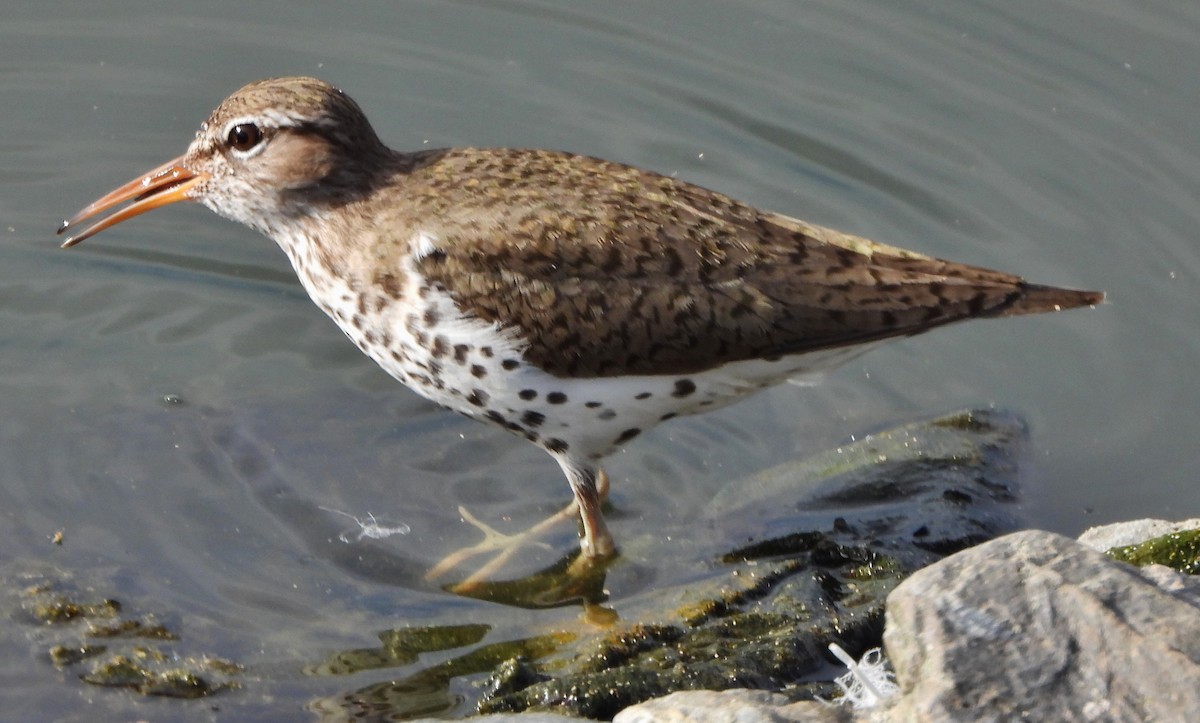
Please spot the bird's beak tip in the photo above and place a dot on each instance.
(169, 183)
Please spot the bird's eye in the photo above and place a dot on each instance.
(244, 136)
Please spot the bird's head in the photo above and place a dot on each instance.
(273, 151)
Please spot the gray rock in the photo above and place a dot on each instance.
(730, 706)
(1122, 534)
(1037, 626)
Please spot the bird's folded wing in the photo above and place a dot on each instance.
(673, 278)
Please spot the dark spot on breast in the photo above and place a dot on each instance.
(478, 397)
(644, 395)
(390, 285)
(556, 398)
(486, 351)
(478, 371)
(532, 418)
(440, 347)
(460, 353)
(431, 317)
(683, 388)
(555, 444)
(607, 414)
(357, 322)
(496, 417)
(668, 415)
(593, 405)
(527, 394)
(627, 435)
(510, 364)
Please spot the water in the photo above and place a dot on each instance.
(176, 406)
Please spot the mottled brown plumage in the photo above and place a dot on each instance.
(610, 270)
(574, 301)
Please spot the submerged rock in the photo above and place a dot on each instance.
(825, 540)
(132, 655)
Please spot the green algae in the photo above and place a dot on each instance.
(427, 692)
(121, 671)
(1177, 550)
(131, 629)
(131, 656)
(60, 609)
(67, 655)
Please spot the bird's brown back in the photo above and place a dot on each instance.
(603, 269)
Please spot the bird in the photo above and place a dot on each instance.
(570, 300)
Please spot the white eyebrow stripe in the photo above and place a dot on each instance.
(275, 118)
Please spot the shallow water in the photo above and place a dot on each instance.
(1052, 138)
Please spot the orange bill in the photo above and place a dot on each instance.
(167, 184)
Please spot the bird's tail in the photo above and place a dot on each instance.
(1037, 299)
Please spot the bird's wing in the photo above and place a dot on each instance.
(604, 269)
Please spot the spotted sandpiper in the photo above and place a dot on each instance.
(573, 301)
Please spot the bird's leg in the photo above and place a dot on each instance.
(590, 488)
(507, 545)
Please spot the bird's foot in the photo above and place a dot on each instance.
(596, 544)
(495, 541)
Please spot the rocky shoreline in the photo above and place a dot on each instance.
(1032, 626)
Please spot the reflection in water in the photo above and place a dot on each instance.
(426, 692)
(573, 579)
